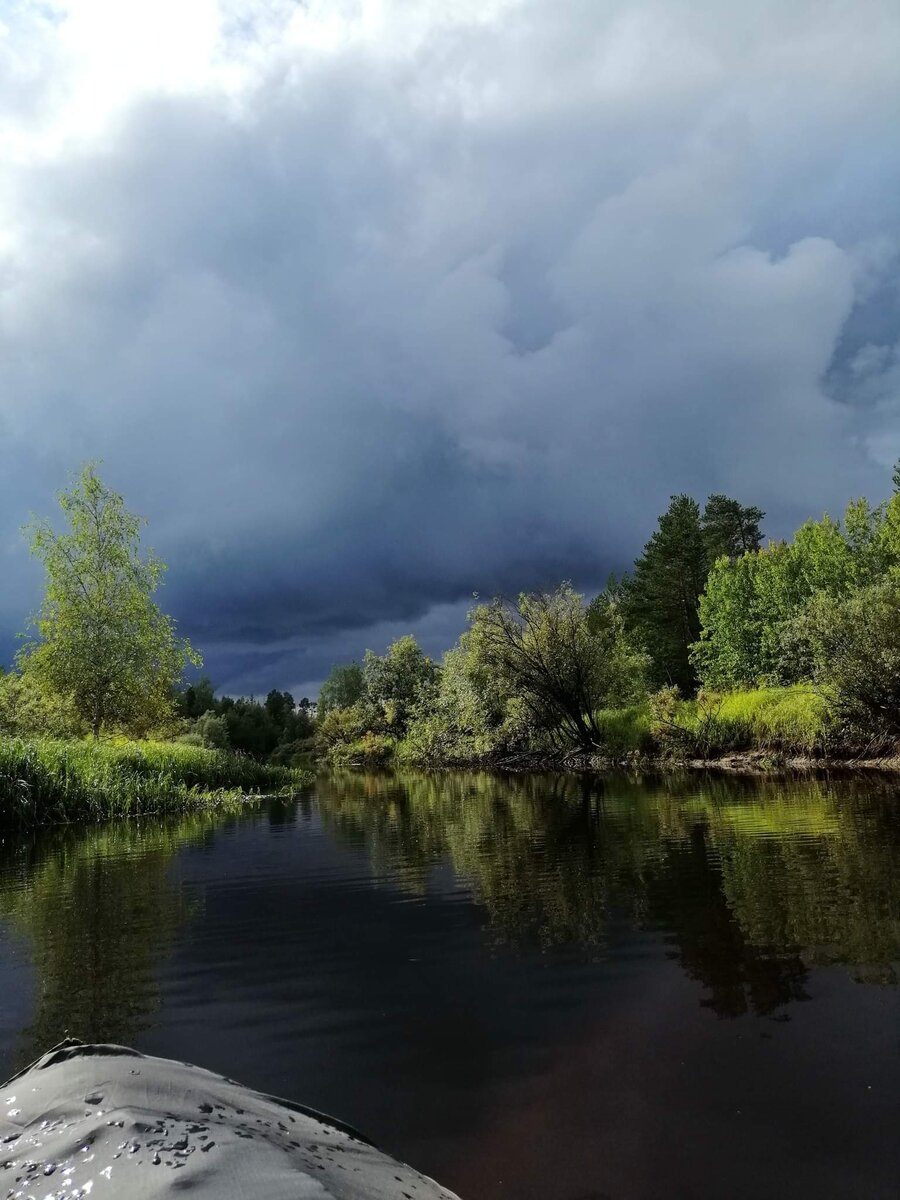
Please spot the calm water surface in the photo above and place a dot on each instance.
(528, 987)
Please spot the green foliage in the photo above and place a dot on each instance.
(793, 721)
(342, 689)
(101, 642)
(372, 750)
(743, 611)
(560, 660)
(299, 754)
(730, 528)
(396, 688)
(197, 698)
(44, 781)
(340, 726)
(627, 731)
(212, 729)
(250, 727)
(27, 709)
(524, 675)
(853, 645)
(397, 682)
(244, 724)
(750, 602)
(473, 714)
(662, 600)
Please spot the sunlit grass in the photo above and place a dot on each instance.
(794, 718)
(43, 780)
(626, 730)
(789, 720)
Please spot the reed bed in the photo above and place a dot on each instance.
(45, 781)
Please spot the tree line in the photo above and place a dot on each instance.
(706, 609)
(278, 728)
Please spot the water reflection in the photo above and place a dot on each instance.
(753, 881)
(98, 908)
(498, 978)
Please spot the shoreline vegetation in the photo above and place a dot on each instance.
(715, 651)
(95, 721)
(43, 781)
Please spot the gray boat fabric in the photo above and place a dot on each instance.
(104, 1121)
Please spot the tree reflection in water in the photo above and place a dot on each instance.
(750, 882)
(99, 907)
(753, 881)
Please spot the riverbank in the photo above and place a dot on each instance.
(750, 762)
(761, 730)
(45, 781)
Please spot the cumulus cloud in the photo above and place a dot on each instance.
(370, 306)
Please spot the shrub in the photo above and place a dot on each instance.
(853, 643)
(371, 750)
(212, 730)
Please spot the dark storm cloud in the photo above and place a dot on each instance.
(394, 327)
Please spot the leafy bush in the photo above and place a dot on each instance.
(212, 730)
(371, 750)
(472, 715)
(853, 644)
(562, 660)
(300, 753)
(27, 709)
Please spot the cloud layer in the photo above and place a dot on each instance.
(369, 307)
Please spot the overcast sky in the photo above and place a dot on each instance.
(369, 306)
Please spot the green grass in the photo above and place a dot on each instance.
(49, 781)
(789, 720)
(627, 730)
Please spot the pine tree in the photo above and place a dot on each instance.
(730, 528)
(662, 600)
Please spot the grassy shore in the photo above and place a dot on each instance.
(44, 781)
(787, 720)
(779, 722)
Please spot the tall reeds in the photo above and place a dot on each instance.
(50, 781)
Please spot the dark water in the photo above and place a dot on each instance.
(529, 987)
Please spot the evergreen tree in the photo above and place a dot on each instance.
(730, 528)
(662, 602)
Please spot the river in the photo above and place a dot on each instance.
(529, 986)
